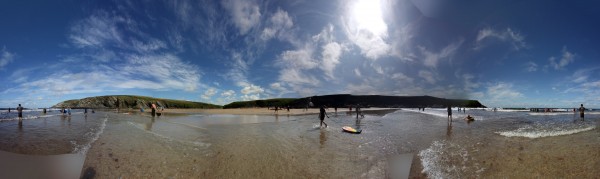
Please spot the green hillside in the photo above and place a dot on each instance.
(130, 101)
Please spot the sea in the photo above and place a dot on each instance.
(497, 144)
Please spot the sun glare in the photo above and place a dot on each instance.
(368, 16)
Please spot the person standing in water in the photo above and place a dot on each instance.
(153, 109)
(20, 111)
(322, 115)
(450, 113)
(581, 111)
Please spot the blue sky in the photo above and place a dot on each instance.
(516, 53)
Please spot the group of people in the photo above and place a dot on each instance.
(468, 118)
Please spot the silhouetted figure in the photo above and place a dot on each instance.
(322, 115)
(581, 111)
(20, 111)
(450, 113)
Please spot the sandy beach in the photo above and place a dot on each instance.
(264, 111)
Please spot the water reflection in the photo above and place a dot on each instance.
(449, 131)
(149, 124)
(323, 137)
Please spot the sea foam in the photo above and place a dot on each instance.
(533, 133)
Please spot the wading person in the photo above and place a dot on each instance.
(450, 113)
(153, 109)
(20, 111)
(322, 115)
(581, 111)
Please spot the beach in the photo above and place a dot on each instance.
(266, 111)
(256, 143)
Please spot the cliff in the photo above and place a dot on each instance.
(134, 102)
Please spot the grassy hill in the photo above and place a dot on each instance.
(346, 100)
(130, 101)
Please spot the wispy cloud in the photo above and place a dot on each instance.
(209, 93)
(5, 57)
(531, 66)
(279, 25)
(508, 35)
(432, 59)
(428, 76)
(566, 58)
(245, 15)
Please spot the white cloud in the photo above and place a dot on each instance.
(6, 57)
(531, 66)
(567, 57)
(432, 59)
(503, 91)
(357, 72)
(297, 59)
(278, 86)
(428, 76)
(228, 93)
(248, 97)
(252, 89)
(331, 57)
(401, 77)
(295, 77)
(469, 85)
(517, 40)
(154, 72)
(209, 93)
(245, 14)
(280, 22)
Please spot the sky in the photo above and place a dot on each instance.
(513, 53)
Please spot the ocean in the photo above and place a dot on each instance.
(505, 143)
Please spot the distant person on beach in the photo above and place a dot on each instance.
(69, 111)
(84, 110)
(20, 111)
(44, 110)
(450, 113)
(8, 110)
(464, 110)
(322, 115)
(276, 108)
(288, 108)
(581, 111)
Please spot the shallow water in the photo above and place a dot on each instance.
(496, 144)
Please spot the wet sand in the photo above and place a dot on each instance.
(193, 144)
(265, 111)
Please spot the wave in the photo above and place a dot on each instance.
(93, 135)
(448, 160)
(443, 113)
(533, 132)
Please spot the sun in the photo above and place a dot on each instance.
(367, 14)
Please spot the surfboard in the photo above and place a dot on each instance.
(351, 130)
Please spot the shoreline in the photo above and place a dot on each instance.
(264, 111)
